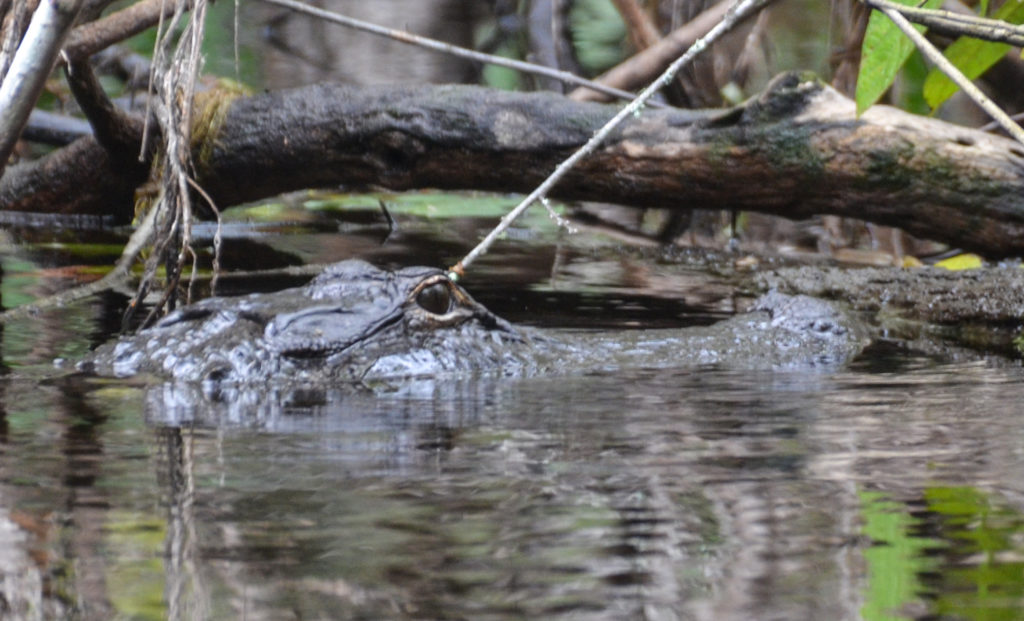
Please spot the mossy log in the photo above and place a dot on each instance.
(796, 150)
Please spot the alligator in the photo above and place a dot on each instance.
(356, 323)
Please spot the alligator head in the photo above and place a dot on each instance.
(355, 323)
(352, 322)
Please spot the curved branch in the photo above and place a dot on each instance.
(93, 37)
(954, 24)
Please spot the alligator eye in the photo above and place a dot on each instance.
(435, 299)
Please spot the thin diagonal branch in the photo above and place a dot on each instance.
(647, 64)
(956, 24)
(90, 38)
(447, 48)
(968, 87)
(740, 10)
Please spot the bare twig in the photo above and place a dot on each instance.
(118, 131)
(556, 217)
(447, 48)
(968, 87)
(642, 32)
(30, 68)
(88, 39)
(646, 65)
(173, 110)
(956, 24)
(113, 126)
(739, 10)
(987, 127)
(217, 239)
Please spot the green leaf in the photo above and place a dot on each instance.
(972, 57)
(598, 33)
(884, 51)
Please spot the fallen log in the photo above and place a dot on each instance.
(796, 150)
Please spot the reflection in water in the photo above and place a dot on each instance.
(185, 593)
(983, 575)
(889, 489)
(895, 561)
(952, 551)
(672, 494)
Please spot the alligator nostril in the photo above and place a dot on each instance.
(218, 374)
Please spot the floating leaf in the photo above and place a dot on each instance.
(972, 57)
(884, 51)
(961, 262)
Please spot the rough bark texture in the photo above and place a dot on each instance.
(932, 311)
(795, 151)
(993, 296)
(78, 179)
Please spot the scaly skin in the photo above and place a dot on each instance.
(356, 323)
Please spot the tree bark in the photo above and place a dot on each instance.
(795, 151)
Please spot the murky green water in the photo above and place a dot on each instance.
(888, 490)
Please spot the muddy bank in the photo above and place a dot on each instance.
(980, 308)
(991, 295)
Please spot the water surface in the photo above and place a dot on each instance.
(886, 490)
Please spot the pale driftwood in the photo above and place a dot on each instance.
(796, 151)
(31, 65)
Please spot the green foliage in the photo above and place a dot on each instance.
(502, 77)
(884, 52)
(895, 560)
(598, 33)
(912, 78)
(971, 56)
(959, 554)
(987, 580)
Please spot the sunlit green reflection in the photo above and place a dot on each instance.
(956, 552)
(135, 577)
(983, 567)
(895, 560)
